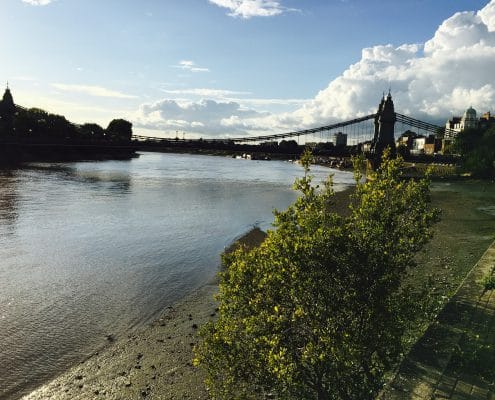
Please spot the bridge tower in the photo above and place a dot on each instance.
(384, 130)
(7, 111)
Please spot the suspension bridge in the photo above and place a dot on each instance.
(361, 133)
(378, 129)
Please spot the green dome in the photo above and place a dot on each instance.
(470, 113)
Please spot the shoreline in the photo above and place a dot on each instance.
(155, 362)
(147, 363)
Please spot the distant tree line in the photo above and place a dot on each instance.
(35, 125)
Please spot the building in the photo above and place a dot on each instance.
(340, 139)
(452, 127)
(406, 139)
(458, 124)
(486, 120)
(365, 147)
(433, 145)
(272, 143)
(418, 145)
(414, 143)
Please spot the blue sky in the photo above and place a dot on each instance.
(227, 67)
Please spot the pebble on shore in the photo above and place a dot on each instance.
(156, 362)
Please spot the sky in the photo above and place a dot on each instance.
(223, 68)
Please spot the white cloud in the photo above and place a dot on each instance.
(206, 92)
(431, 81)
(38, 2)
(232, 95)
(24, 78)
(191, 66)
(270, 102)
(252, 8)
(204, 116)
(96, 91)
(487, 15)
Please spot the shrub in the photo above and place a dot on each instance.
(319, 310)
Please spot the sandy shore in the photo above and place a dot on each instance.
(155, 363)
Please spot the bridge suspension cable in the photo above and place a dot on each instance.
(301, 132)
(426, 126)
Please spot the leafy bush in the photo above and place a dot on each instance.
(319, 310)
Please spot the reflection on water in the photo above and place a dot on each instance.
(116, 181)
(8, 194)
(98, 248)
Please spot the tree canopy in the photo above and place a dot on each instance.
(477, 149)
(37, 125)
(119, 129)
(319, 310)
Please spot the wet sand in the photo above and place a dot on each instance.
(155, 363)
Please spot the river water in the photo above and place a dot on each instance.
(91, 249)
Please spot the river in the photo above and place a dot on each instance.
(91, 249)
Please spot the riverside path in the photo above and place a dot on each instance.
(455, 358)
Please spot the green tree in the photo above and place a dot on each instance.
(58, 127)
(403, 150)
(320, 309)
(119, 129)
(91, 131)
(289, 146)
(31, 123)
(477, 149)
(35, 122)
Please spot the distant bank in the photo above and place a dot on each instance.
(15, 153)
